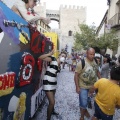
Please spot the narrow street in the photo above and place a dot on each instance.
(67, 102)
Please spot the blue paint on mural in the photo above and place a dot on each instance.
(7, 14)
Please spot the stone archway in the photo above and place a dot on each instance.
(53, 15)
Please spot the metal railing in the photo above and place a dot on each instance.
(115, 20)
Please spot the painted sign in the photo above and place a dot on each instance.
(7, 83)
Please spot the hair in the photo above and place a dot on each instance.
(119, 59)
(89, 48)
(108, 58)
(97, 57)
(115, 73)
(26, 1)
(97, 50)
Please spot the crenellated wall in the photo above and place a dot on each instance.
(70, 17)
(71, 7)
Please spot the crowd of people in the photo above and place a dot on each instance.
(91, 78)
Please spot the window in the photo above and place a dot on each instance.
(70, 33)
(108, 2)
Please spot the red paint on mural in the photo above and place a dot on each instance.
(7, 83)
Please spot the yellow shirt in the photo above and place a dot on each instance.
(74, 62)
(108, 95)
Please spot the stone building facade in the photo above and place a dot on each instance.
(41, 25)
(113, 18)
(68, 17)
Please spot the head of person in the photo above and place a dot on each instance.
(90, 54)
(98, 60)
(115, 73)
(106, 59)
(30, 3)
(74, 59)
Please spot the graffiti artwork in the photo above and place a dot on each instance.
(1, 113)
(13, 25)
(26, 70)
(39, 43)
(21, 70)
(7, 83)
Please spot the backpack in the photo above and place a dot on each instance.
(83, 62)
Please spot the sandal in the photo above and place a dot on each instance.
(87, 115)
(81, 118)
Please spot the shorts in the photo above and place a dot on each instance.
(83, 98)
(74, 66)
(100, 115)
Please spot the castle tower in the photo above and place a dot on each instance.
(70, 17)
(41, 9)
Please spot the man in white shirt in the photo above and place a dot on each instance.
(62, 59)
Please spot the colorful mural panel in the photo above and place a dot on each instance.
(21, 72)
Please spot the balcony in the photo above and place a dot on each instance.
(115, 21)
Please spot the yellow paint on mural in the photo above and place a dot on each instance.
(54, 38)
(19, 113)
(6, 91)
(22, 39)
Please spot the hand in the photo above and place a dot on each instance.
(46, 20)
(52, 52)
(91, 90)
(78, 90)
(117, 106)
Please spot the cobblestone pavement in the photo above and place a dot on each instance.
(67, 102)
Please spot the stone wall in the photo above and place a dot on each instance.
(70, 17)
(41, 9)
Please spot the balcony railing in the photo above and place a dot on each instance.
(115, 20)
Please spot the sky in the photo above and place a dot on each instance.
(95, 9)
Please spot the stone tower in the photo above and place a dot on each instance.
(70, 17)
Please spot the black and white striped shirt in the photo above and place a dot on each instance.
(50, 80)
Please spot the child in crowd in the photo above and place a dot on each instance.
(118, 60)
(105, 67)
(108, 95)
(99, 63)
(74, 63)
(69, 61)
